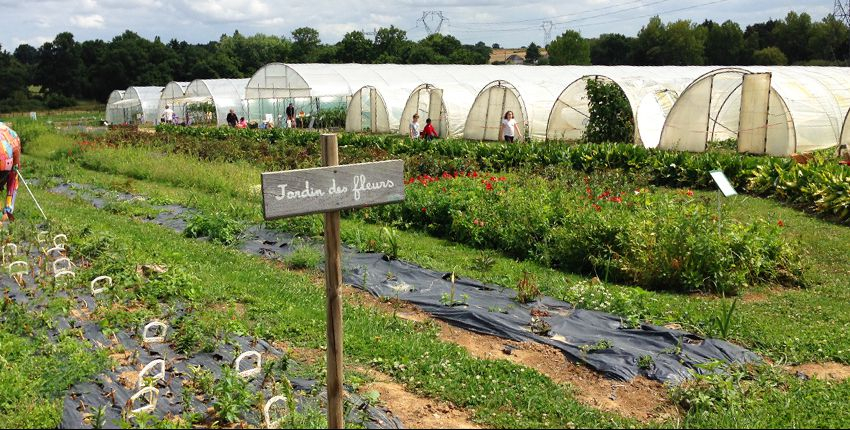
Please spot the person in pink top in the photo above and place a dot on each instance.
(10, 162)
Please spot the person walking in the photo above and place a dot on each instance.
(414, 127)
(429, 131)
(509, 130)
(10, 162)
(231, 118)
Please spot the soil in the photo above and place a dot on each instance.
(828, 371)
(415, 411)
(641, 399)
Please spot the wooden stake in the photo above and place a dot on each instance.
(333, 280)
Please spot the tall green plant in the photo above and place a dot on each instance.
(610, 113)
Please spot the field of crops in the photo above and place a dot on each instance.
(509, 233)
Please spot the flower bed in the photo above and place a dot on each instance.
(600, 225)
(822, 186)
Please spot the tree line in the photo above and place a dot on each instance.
(63, 70)
(796, 40)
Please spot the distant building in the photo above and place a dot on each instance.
(511, 56)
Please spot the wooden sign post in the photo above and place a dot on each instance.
(328, 190)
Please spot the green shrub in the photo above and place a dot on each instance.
(604, 227)
(218, 227)
(611, 117)
(304, 257)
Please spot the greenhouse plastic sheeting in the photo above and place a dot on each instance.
(650, 92)
(225, 94)
(805, 105)
(173, 91)
(147, 99)
(492, 310)
(115, 115)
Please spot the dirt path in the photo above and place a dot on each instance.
(641, 399)
(828, 371)
(413, 410)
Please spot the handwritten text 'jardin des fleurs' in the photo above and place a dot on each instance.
(359, 185)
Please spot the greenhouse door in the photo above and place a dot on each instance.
(755, 101)
(497, 99)
(368, 108)
(436, 112)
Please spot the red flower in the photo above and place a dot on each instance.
(780, 223)
(615, 200)
(588, 190)
(690, 193)
(489, 186)
(597, 207)
(503, 178)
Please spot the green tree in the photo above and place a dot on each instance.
(684, 44)
(792, 36)
(443, 45)
(392, 44)
(724, 44)
(611, 50)
(13, 76)
(60, 69)
(569, 48)
(26, 54)
(354, 48)
(649, 45)
(828, 40)
(532, 53)
(305, 42)
(677, 43)
(770, 56)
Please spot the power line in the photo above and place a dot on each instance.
(651, 14)
(547, 32)
(433, 15)
(563, 23)
(545, 17)
(842, 13)
(609, 13)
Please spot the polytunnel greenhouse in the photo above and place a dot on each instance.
(208, 101)
(768, 110)
(114, 113)
(319, 92)
(172, 92)
(138, 106)
(650, 91)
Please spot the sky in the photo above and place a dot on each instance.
(508, 23)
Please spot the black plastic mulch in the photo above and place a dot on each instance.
(600, 340)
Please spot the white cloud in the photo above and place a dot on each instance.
(87, 21)
(233, 11)
(36, 41)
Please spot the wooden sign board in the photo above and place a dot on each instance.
(332, 188)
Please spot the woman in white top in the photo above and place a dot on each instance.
(509, 130)
(414, 127)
